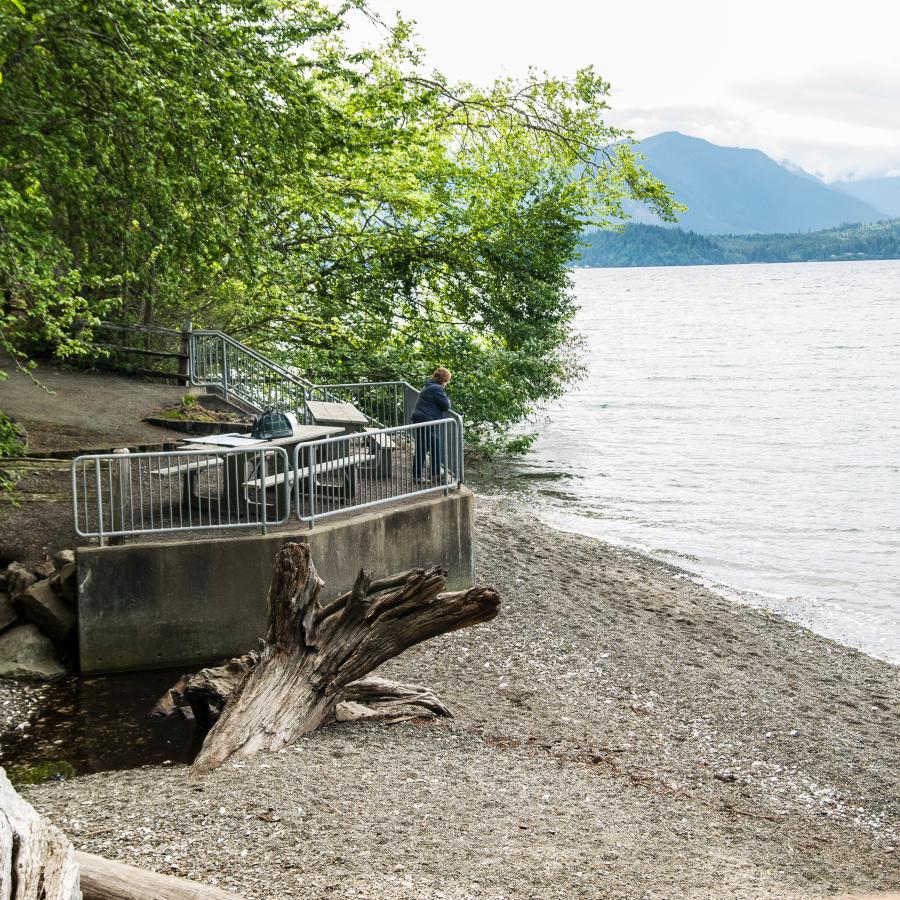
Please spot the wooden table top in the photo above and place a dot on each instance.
(334, 413)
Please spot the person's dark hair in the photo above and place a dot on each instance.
(441, 374)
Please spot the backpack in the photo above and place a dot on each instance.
(271, 425)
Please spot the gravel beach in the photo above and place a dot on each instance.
(619, 732)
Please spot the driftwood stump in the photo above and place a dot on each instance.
(316, 657)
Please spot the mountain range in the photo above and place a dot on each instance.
(732, 190)
(882, 193)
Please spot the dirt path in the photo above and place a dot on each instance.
(620, 732)
(86, 409)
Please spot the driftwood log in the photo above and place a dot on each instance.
(38, 862)
(108, 879)
(318, 656)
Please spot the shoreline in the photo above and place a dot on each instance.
(619, 732)
(754, 598)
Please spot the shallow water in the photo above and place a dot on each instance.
(743, 422)
(97, 724)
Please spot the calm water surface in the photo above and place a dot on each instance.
(743, 422)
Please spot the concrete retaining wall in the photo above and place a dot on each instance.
(154, 605)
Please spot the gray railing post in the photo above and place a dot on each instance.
(186, 363)
(262, 468)
(120, 495)
(99, 501)
(225, 369)
(312, 485)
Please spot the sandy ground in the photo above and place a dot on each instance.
(620, 732)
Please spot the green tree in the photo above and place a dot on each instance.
(236, 163)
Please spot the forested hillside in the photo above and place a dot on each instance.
(348, 211)
(653, 245)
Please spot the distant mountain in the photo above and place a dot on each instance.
(730, 190)
(651, 245)
(882, 193)
(794, 169)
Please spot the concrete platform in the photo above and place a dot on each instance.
(156, 605)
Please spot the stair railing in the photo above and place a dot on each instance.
(220, 362)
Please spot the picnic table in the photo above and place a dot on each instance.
(239, 466)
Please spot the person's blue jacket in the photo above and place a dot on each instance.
(433, 402)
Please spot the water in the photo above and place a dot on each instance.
(100, 723)
(743, 422)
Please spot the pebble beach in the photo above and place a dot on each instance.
(619, 732)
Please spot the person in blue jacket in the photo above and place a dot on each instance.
(432, 404)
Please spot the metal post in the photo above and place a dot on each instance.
(262, 469)
(121, 494)
(225, 369)
(99, 501)
(312, 485)
(186, 363)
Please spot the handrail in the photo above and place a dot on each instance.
(259, 486)
(271, 364)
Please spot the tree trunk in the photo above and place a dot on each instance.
(208, 691)
(372, 697)
(313, 653)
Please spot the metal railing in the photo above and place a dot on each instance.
(355, 471)
(389, 404)
(122, 493)
(239, 372)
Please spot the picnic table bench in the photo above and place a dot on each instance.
(346, 466)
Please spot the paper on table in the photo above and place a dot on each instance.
(226, 440)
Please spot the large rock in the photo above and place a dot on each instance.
(7, 613)
(63, 558)
(65, 583)
(18, 579)
(43, 606)
(25, 652)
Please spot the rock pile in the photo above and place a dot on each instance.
(37, 617)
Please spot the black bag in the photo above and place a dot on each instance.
(271, 425)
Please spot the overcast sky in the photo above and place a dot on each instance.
(816, 83)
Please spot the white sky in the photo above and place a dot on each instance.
(816, 83)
